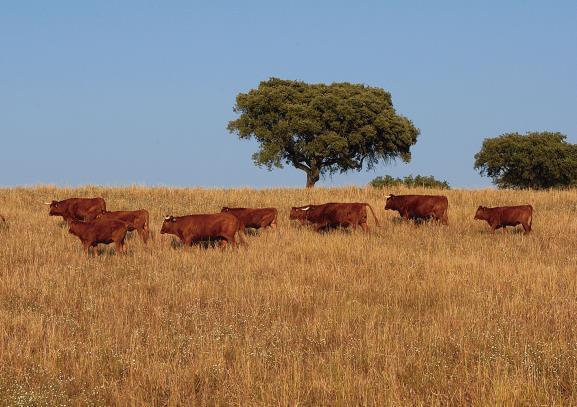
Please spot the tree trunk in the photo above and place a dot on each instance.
(313, 175)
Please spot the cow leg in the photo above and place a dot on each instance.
(86, 247)
(526, 227)
(119, 246)
(222, 244)
(143, 234)
(365, 227)
(445, 219)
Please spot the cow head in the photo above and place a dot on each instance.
(391, 202)
(299, 213)
(56, 208)
(481, 213)
(168, 224)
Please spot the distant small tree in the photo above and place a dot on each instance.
(419, 181)
(320, 128)
(536, 160)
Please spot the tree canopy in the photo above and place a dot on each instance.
(320, 128)
(536, 160)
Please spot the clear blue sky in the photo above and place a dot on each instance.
(122, 92)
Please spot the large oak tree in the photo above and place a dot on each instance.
(320, 128)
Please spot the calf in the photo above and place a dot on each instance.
(137, 220)
(77, 208)
(334, 215)
(419, 207)
(254, 217)
(194, 228)
(503, 216)
(105, 231)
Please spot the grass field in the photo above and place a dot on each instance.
(423, 315)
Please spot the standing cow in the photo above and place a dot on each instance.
(333, 214)
(503, 216)
(194, 228)
(84, 209)
(97, 231)
(419, 207)
(137, 220)
(255, 218)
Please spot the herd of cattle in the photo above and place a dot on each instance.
(89, 220)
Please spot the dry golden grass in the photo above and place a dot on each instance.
(424, 315)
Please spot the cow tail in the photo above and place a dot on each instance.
(374, 216)
(531, 217)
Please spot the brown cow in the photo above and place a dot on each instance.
(84, 209)
(97, 231)
(503, 216)
(137, 220)
(195, 228)
(419, 207)
(254, 217)
(333, 214)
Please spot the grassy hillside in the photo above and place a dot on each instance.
(405, 314)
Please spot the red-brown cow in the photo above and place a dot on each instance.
(503, 216)
(254, 217)
(137, 220)
(419, 207)
(195, 228)
(84, 209)
(333, 214)
(97, 231)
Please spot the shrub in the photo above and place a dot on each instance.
(422, 181)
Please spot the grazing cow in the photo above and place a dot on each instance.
(503, 216)
(334, 215)
(194, 228)
(419, 207)
(137, 220)
(99, 231)
(84, 209)
(254, 217)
